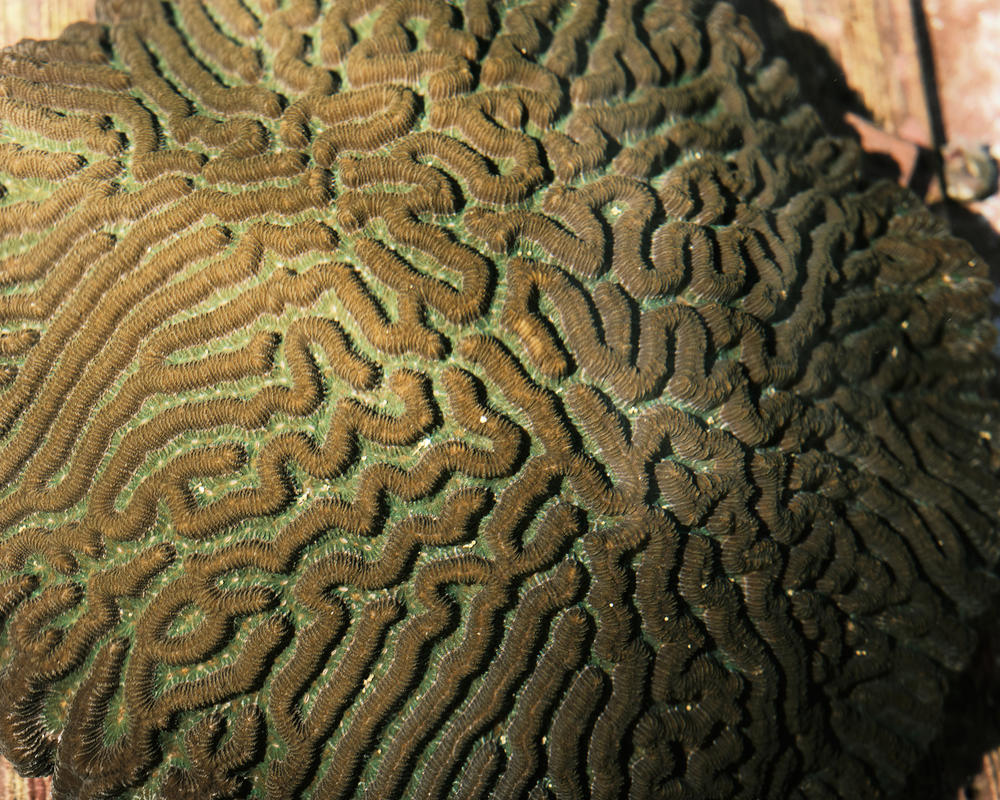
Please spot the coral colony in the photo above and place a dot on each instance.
(500, 400)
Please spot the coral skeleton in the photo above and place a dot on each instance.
(527, 399)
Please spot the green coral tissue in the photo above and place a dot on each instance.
(498, 399)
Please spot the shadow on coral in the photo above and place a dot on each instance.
(971, 726)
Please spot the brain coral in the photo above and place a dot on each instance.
(515, 399)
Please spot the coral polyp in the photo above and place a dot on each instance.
(404, 399)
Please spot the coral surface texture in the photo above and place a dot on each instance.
(401, 399)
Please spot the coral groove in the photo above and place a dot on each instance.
(402, 398)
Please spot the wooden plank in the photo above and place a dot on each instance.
(873, 42)
(14, 787)
(40, 20)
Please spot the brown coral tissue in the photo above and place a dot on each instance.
(404, 399)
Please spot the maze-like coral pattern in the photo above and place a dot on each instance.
(508, 399)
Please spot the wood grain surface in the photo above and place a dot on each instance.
(873, 42)
(40, 19)
(14, 787)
